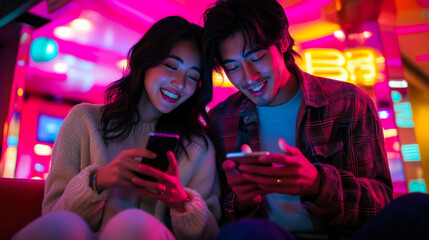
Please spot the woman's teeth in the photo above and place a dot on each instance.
(169, 94)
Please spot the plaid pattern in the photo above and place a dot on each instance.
(338, 130)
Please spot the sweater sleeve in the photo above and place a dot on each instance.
(67, 185)
(199, 221)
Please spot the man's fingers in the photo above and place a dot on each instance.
(246, 148)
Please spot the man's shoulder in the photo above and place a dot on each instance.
(340, 89)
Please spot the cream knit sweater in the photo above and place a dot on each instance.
(80, 149)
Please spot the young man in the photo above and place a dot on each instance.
(327, 172)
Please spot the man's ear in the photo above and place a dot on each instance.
(284, 44)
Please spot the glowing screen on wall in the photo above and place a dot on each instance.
(48, 127)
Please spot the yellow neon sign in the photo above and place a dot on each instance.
(358, 66)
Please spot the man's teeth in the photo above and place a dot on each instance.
(257, 88)
(169, 94)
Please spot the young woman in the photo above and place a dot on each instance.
(94, 167)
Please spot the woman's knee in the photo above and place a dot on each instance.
(56, 225)
(135, 224)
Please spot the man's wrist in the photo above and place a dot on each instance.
(314, 189)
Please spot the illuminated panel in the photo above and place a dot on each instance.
(404, 115)
(417, 185)
(326, 63)
(357, 66)
(42, 149)
(410, 152)
(361, 66)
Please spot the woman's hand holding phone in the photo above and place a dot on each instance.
(120, 171)
(166, 187)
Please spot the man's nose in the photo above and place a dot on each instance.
(250, 72)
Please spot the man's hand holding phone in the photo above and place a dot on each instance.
(288, 172)
(247, 193)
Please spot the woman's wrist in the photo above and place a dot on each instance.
(181, 206)
(93, 181)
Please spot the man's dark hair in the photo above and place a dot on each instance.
(262, 22)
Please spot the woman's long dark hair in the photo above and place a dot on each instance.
(120, 112)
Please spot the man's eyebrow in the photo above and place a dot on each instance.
(181, 62)
(251, 51)
(246, 54)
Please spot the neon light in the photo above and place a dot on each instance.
(396, 96)
(390, 133)
(357, 66)
(367, 34)
(417, 185)
(42, 150)
(326, 62)
(12, 141)
(398, 84)
(64, 33)
(361, 65)
(410, 152)
(339, 34)
(39, 167)
(10, 162)
(5, 129)
(61, 67)
(43, 49)
(81, 24)
(20, 92)
(383, 114)
(404, 114)
(396, 146)
(122, 64)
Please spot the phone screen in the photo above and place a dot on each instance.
(249, 158)
(160, 143)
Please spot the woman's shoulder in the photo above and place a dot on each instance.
(85, 110)
(84, 113)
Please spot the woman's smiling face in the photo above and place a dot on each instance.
(173, 81)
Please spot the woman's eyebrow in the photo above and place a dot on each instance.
(176, 58)
(181, 62)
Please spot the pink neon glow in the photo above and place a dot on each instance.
(412, 29)
(423, 58)
(313, 11)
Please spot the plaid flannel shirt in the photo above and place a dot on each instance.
(338, 130)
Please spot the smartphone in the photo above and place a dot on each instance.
(159, 143)
(249, 158)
